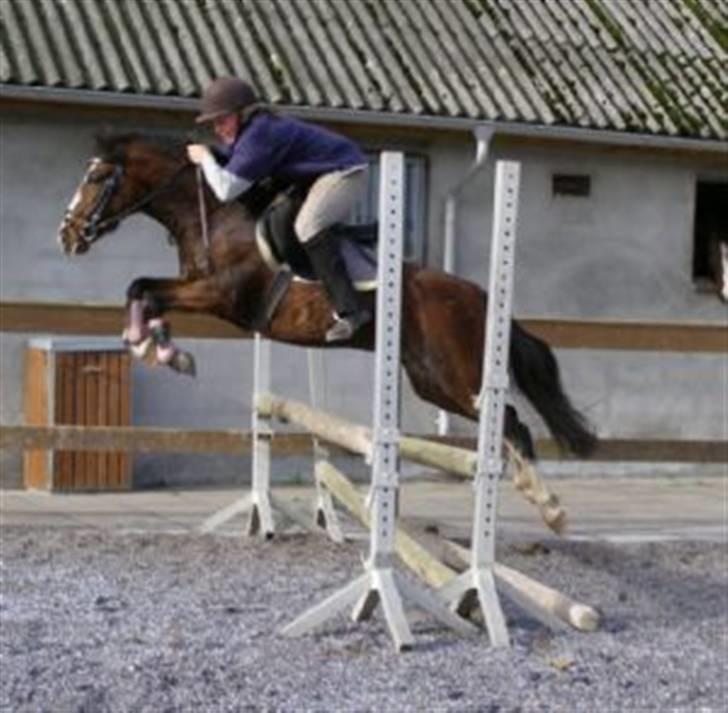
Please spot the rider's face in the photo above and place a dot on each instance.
(226, 127)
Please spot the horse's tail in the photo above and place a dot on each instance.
(536, 373)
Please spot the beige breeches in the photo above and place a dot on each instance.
(330, 201)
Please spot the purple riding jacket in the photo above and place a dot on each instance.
(289, 149)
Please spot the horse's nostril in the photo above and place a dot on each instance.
(70, 242)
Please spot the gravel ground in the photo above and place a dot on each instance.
(98, 621)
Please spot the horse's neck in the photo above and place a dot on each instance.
(192, 236)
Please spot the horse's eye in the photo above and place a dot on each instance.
(98, 171)
(96, 177)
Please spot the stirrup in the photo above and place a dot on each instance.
(345, 327)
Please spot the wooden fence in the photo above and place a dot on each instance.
(103, 320)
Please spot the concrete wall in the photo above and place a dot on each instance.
(623, 253)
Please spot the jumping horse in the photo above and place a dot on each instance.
(222, 272)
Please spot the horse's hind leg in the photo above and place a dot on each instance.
(518, 433)
(518, 446)
(443, 358)
(522, 454)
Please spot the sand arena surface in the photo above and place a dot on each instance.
(95, 621)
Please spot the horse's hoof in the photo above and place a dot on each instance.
(143, 350)
(183, 363)
(555, 519)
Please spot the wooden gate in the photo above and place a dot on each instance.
(82, 383)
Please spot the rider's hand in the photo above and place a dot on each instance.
(197, 152)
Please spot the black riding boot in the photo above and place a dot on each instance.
(329, 266)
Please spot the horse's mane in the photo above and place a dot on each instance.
(113, 146)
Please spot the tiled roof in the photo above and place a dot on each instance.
(648, 66)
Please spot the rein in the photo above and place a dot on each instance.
(203, 208)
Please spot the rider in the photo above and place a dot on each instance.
(259, 144)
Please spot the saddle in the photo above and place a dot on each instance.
(281, 249)
(283, 253)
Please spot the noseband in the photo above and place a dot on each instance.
(94, 223)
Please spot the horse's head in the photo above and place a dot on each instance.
(125, 174)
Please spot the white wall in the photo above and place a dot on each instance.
(624, 253)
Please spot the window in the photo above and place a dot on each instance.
(415, 211)
(563, 184)
(710, 228)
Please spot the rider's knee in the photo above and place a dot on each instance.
(306, 229)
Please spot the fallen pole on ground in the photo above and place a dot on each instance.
(543, 602)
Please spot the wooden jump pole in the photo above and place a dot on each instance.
(541, 601)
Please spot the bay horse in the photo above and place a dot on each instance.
(443, 318)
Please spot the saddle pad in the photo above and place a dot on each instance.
(360, 259)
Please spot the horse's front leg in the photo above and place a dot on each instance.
(137, 335)
(148, 333)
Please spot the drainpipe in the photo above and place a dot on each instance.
(483, 136)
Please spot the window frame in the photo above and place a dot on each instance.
(700, 275)
(416, 202)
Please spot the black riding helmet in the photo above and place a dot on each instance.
(227, 95)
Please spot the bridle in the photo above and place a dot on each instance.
(94, 225)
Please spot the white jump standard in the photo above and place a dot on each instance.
(380, 583)
(477, 584)
(259, 503)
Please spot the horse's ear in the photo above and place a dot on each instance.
(102, 141)
(109, 145)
